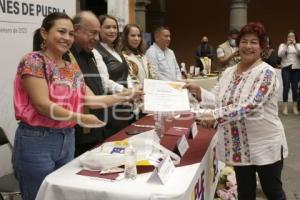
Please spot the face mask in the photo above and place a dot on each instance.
(232, 43)
(204, 42)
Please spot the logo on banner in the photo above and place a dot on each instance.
(213, 166)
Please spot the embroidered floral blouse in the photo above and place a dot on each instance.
(245, 107)
(66, 88)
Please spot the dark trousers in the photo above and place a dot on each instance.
(82, 148)
(87, 141)
(290, 77)
(270, 179)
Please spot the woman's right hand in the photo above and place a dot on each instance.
(90, 121)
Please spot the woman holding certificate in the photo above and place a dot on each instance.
(118, 116)
(244, 104)
(49, 95)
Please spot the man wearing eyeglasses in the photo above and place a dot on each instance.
(87, 28)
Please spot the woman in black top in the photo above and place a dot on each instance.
(119, 116)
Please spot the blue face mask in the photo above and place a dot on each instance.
(232, 42)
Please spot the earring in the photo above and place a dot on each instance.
(43, 45)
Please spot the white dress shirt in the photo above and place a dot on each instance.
(164, 63)
(245, 107)
(221, 52)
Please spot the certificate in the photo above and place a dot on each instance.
(165, 96)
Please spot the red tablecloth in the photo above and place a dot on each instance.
(198, 145)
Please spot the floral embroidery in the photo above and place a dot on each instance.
(234, 131)
(245, 142)
(263, 89)
(226, 144)
(221, 120)
(33, 65)
(233, 114)
(237, 157)
(249, 108)
(235, 90)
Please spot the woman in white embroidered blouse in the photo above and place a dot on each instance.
(290, 72)
(244, 105)
(133, 49)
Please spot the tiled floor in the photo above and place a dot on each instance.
(291, 170)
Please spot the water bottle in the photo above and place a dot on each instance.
(159, 126)
(130, 163)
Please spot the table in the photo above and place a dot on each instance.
(192, 179)
(205, 82)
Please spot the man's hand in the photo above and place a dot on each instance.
(206, 120)
(194, 89)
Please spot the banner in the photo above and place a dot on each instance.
(120, 10)
(18, 21)
(206, 180)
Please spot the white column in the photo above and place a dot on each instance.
(238, 13)
(140, 12)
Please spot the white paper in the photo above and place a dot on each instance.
(163, 171)
(165, 96)
(194, 130)
(182, 145)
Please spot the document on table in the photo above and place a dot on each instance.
(165, 96)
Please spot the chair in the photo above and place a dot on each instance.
(8, 183)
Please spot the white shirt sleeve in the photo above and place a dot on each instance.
(220, 53)
(178, 72)
(108, 84)
(282, 50)
(150, 54)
